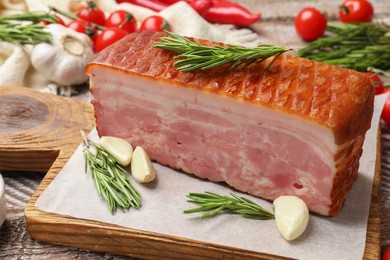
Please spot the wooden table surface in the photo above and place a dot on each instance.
(276, 26)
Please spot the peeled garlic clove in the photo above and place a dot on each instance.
(291, 216)
(141, 167)
(119, 148)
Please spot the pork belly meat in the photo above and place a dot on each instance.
(296, 128)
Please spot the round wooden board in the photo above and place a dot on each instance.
(37, 128)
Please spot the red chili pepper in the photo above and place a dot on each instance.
(200, 6)
(171, 2)
(226, 12)
(154, 5)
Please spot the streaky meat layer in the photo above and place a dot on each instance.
(296, 128)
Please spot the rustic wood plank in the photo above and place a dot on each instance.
(373, 242)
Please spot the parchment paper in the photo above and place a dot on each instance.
(73, 193)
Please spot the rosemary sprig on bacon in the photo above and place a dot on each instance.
(192, 55)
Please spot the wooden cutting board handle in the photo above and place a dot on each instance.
(36, 128)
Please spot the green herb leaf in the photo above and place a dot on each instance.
(213, 204)
(110, 178)
(34, 17)
(192, 55)
(23, 28)
(356, 46)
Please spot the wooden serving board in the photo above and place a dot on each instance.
(41, 131)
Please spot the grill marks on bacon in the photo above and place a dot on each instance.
(294, 129)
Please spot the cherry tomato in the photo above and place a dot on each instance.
(59, 21)
(310, 24)
(91, 13)
(84, 27)
(386, 118)
(352, 11)
(386, 254)
(379, 88)
(108, 37)
(123, 20)
(155, 23)
(78, 25)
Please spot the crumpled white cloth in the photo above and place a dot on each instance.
(14, 63)
(12, 6)
(16, 68)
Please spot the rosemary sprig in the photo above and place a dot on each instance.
(356, 46)
(34, 17)
(110, 178)
(193, 55)
(214, 204)
(23, 34)
(23, 28)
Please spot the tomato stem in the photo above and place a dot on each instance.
(344, 8)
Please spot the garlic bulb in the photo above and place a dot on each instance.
(63, 60)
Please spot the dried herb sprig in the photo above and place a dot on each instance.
(193, 55)
(24, 28)
(214, 204)
(356, 46)
(110, 178)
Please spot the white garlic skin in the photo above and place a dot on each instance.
(291, 216)
(119, 148)
(142, 168)
(64, 59)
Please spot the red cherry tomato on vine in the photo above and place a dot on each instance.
(386, 118)
(379, 87)
(78, 25)
(123, 20)
(108, 37)
(91, 13)
(155, 23)
(386, 254)
(310, 24)
(84, 27)
(352, 11)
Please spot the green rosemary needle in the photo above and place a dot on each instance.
(23, 34)
(192, 55)
(356, 46)
(213, 204)
(110, 178)
(23, 28)
(34, 17)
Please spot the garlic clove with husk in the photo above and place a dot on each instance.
(119, 148)
(291, 216)
(64, 58)
(142, 168)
